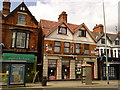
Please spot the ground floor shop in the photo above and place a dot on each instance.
(30, 60)
(57, 67)
(113, 68)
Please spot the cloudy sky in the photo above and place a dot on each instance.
(88, 11)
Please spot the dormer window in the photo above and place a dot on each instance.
(22, 19)
(82, 33)
(62, 30)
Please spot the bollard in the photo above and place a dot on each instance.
(44, 81)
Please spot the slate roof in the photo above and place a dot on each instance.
(110, 36)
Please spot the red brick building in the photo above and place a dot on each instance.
(66, 47)
(20, 36)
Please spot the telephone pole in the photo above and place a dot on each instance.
(107, 64)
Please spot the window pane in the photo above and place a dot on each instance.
(52, 63)
(77, 50)
(13, 39)
(66, 44)
(86, 47)
(27, 43)
(57, 43)
(56, 49)
(82, 33)
(62, 30)
(21, 19)
(20, 40)
(66, 50)
(117, 42)
(102, 41)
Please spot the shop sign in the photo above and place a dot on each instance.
(24, 57)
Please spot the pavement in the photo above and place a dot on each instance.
(68, 84)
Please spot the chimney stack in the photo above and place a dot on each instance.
(6, 7)
(98, 28)
(63, 17)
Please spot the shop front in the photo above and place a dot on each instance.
(66, 67)
(114, 68)
(28, 58)
(13, 72)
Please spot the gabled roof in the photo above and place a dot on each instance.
(112, 37)
(50, 26)
(98, 36)
(27, 10)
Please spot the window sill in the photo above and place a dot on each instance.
(82, 36)
(21, 24)
(62, 34)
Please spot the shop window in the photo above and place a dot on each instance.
(62, 30)
(66, 47)
(77, 48)
(65, 69)
(20, 40)
(57, 47)
(102, 41)
(82, 33)
(22, 19)
(112, 72)
(78, 69)
(52, 69)
(4, 72)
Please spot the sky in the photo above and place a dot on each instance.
(89, 12)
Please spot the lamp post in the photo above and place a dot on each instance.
(107, 64)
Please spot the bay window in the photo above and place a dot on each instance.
(20, 40)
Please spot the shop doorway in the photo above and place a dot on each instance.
(92, 65)
(65, 69)
(52, 69)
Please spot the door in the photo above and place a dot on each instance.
(92, 65)
(52, 69)
(65, 69)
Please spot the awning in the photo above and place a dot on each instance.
(17, 57)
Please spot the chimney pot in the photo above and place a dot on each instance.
(63, 17)
(6, 7)
(98, 28)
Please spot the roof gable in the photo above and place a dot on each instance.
(84, 27)
(50, 26)
(25, 10)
